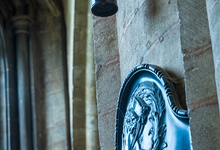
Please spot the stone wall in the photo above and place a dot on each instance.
(214, 25)
(52, 126)
(173, 35)
(158, 41)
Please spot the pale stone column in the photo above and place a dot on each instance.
(79, 76)
(201, 93)
(107, 77)
(213, 11)
(69, 19)
(92, 140)
(21, 24)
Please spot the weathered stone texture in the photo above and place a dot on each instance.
(173, 35)
(148, 33)
(107, 129)
(107, 77)
(199, 74)
(92, 136)
(205, 128)
(213, 11)
(79, 76)
(194, 24)
(144, 31)
(50, 79)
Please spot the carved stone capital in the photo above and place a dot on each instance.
(21, 24)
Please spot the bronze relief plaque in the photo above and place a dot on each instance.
(149, 116)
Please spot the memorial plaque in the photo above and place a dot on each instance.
(149, 116)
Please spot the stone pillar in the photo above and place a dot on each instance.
(201, 93)
(213, 11)
(8, 91)
(92, 140)
(21, 24)
(107, 72)
(3, 102)
(79, 76)
(69, 21)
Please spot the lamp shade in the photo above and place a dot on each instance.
(104, 8)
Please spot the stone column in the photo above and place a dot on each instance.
(8, 95)
(3, 101)
(201, 93)
(92, 140)
(213, 11)
(79, 76)
(107, 75)
(21, 24)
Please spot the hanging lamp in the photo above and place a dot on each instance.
(103, 8)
